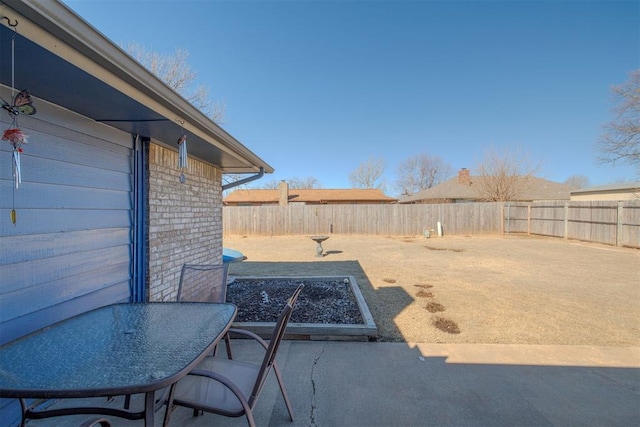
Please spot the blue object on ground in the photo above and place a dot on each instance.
(231, 255)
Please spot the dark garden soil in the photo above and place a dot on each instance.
(321, 301)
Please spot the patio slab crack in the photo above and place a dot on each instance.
(312, 419)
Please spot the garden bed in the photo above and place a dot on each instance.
(327, 308)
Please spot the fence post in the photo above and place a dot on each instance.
(565, 233)
(508, 217)
(619, 225)
(529, 219)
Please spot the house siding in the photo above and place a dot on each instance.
(70, 248)
(185, 219)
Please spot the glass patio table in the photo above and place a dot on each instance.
(120, 349)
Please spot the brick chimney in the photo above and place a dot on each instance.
(464, 178)
(283, 188)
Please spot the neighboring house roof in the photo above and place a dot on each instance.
(621, 191)
(466, 190)
(309, 196)
(633, 186)
(89, 74)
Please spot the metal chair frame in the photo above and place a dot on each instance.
(217, 377)
(203, 291)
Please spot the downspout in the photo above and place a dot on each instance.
(139, 247)
(244, 180)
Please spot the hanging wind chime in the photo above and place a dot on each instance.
(182, 154)
(20, 104)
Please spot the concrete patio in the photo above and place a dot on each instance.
(400, 384)
(546, 339)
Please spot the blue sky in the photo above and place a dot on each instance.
(316, 88)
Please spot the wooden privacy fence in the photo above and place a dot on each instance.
(610, 222)
(613, 223)
(394, 220)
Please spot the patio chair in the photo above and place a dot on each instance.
(229, 387)
(201, 283)
(205, 283)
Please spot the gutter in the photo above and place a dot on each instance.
(244, 180)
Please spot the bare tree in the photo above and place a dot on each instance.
(503, 175)
(272, 184)
(621, 140)
(304, 183)
(174, 70)
(368, 174)
(577, 181)
(295, 183)
(421, 172)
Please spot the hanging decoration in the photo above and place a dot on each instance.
(16, 138)
(21, 104)
(182, 154)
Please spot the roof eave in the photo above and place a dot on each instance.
(56, 28)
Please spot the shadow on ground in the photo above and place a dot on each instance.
(384, 303)
(360, 384)
(327, 253)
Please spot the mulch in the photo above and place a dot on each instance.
(321, 301)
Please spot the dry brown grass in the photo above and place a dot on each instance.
(495, 289)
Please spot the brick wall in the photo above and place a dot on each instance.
(185, 220)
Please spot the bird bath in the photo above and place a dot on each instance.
(319, 240)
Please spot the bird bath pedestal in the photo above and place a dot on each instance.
(319, 240)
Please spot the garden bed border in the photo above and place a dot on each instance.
(367, 331)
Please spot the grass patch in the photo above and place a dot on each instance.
(434, 307)
(446, 325)
(424, 294)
